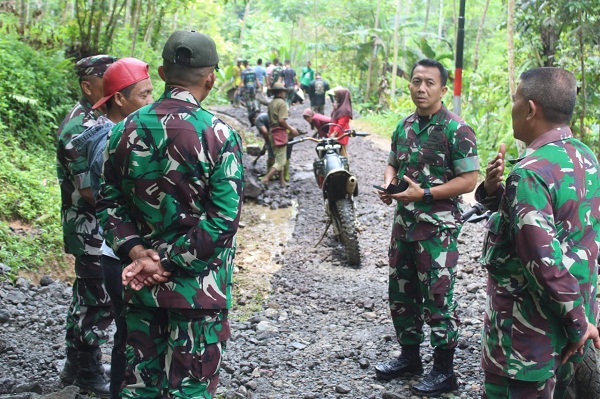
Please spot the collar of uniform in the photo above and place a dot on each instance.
(415, 116)
(556, 134)
(87, 106)
(178, 93)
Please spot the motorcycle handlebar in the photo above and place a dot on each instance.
(347, 133)
(477, 209)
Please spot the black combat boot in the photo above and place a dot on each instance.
(69, 371)
(441, 379)
(90, 375)
(409, 362)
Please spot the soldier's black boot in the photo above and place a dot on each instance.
(69, 371)
(409, 362)
(441, 379)
(90, 375)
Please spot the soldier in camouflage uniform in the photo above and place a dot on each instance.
(172, 186)
(249, 86)
(435, 153)
(127, 87)
(541, 247)
(90, 311)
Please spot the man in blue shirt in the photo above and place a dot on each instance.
(260, 71)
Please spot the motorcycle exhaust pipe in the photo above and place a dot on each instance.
(351, 185)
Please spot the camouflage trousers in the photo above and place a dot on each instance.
(173, 353)
(249, 96)
(498, 387)
(318, 109)
(421, 289)
(90, 312)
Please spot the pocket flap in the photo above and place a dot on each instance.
(216, 331)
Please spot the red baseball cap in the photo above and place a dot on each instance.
(121, 74)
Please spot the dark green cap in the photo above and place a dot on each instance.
(192, 49)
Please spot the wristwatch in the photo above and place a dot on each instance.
(164, 260)
(427, 196)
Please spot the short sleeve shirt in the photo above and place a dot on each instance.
(277, 110)
(262, 120)
(433, 155)
(289, 75)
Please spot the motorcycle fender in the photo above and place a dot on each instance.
(336, 183)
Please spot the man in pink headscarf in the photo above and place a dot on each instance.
(316, 121)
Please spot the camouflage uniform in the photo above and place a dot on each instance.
(173, 181)
(423, 250)
(90, 311)
(540, 253)
(249, 89)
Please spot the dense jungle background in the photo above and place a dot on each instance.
(366, 45)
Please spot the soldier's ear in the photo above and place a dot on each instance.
(210, 81)
(161, 73)
(86, 87)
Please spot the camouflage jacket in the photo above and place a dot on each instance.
(80, 227)
(445, 148)
(172, 180)
(540, 252)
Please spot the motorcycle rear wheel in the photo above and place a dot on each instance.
(586, 382)
(345, 221)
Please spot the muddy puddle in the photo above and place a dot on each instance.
(262, 238)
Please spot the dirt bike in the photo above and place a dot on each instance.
(586, 382)
(339, 187)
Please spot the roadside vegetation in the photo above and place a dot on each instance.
(369, 49)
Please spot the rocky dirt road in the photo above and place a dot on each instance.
(325, 325)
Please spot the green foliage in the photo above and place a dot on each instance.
(34, 95)
(30, 248)
(28, 184)
(29, 195)
(36, 91)
(38, 87)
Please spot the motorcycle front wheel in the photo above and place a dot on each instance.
(345, 222)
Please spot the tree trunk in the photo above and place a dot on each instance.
(510, 26)
(373, 53)
(441, 19)
(479, 34)
(427, 8)
(136, 23)
(395, 58)
(316, 46)
(22, 12)
(116, 10)
(127, 18)
(243, 29)
(67, 12)
(152, 15)
(582, 58)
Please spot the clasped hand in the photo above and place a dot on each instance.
(145, 270)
